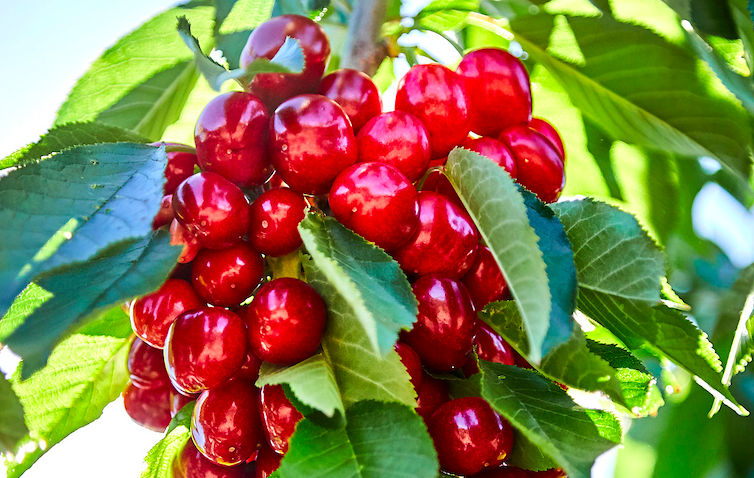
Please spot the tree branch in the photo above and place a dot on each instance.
(364, 50)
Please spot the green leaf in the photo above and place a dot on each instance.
(12, 425)
(26, 302)
(103, 194)
(443, 15)
(570, 435)
(378, 440)
(498, 210)
(737, 319)
(599, 144)
(712, 17)
(160, 458)
(246, 15)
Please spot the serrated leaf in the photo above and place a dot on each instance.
(245, 15)
(498, 210)
(160, 458)
(12, 425)
(26, 302)
(737, 319)
(443, 15)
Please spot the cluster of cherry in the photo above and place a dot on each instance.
(299, 139)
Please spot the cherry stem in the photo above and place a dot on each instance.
(363, 49)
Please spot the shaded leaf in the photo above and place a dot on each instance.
(246, 15)
(12, 425)
(443, 15)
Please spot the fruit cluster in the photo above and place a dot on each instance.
(298, 142)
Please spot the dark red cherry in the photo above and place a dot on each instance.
(437, 181)
(446, 324)
(485, 281)
(490, 346)
(285, 321)
(551, 473)
(498, 89)
(180, 167)
(432, 394)
(274, 219)
(444, 243)
(192, 464)
(149, 407)
(469, 436)
(436, 96)
(179, 400)
(249, 371)
(376, 201)
(146, 366)
(538, 163)
(226, 277)
(279, 417)
(179, 236)
(152, 314)
(504, 472)
(267, 462)
(266, 40)
(355, 92)
(396, 138)
(231, 137)
(204, 348)
(495, 150)
(165, 215)
(550, 133)
(225, 425)
(312, 142)
(411, 361)
(212, 209)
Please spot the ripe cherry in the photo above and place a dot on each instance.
(485, 281)
(437, 181)
(551, 473)
(212, 209)
(446, 324)
(204, 348)
(444, 243)
(505, 472)
(192, 464)
(285, 321)
(266, 40)
(279, 417)
(152, 314)
(539, 166)
(226, 277)
(469, 436)
(146, 367)
(495, 150)
(179, 236)
(411, 361)
(498, 89)
(355, 92)
(274, 218)
(432, 394)
(249, 371)
(550, 133)
(437, 97)
(489, 346)
(376, 201)
(179, 400)
(149, 407)
(267, 462)
(231, 137)
(165, 214)
(180, 167)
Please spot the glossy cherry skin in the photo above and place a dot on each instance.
(490, 346)
(412, 362)
(152, 314)
(437, 97)
(178, 401)
(180, 167)
(432, 394)
(505, 472)
(495, 150)
(445, 242)
(396, 138)
(204, 348)
(446, 324)
(279, 417)
(146, 367)
(485, 281)
(226, 277)
(180, 236)
(376, 201)
(249, 371)
(165, 215)
(355, 92)
(550, 133)
(231, 138)
(266, 40)
(540, 168)
(498, 89)
(312, 142)
(149, 407)
(469, 436)
(437, 181)
(267, 462)
(212, 209)
(192, 464)
(274, 218)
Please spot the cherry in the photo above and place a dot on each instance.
(551, 473)
(178, 401)
(266, 40)
(411, 361)
(180, 167)
(550, 133)
(146, 366)
(179, 236)
(149, 407)
(279, 417)
(436, 96)
(204, 347)
(312, 142)
(539, 166)
(498, 89)
(212, 209)
(192, 464)
(432, 394)
(165, 214)
(446, 324)
(249, 371)
(355, 92)
(376, 201)
(444, 243)
(485, 281)
(227, 277)
(469, 436)
(285, 320)
(495, 150)
(437, 181)
(267, 462)
(152, 314)
(505, 472)
(397, 138)
(231, 137)
(490, 346)
(274, 218)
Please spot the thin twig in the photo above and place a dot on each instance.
(363, 49)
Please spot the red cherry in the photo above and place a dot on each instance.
(312, 142)
(377, 202)
(192, 464)
(178, 401)
(212, 209)
(396, 138)
(444, 243)
(231, 137)
(165, 214)
(469, 436)
(446, 324)
(437, 181)
(490, 346)
(180, 167)
(274, 218)
(411, 361)
(285, 320)
(436, 96)
(498, 88)
(149, 407)
(504, 472)
(267, 462)
(495, 150)
(550, 133)
(146, 366)
(432, 394)
(551, 473)
(279, 417)
(249, 371)
(152, 314)
(538, 163)
(204, 348)
(275, 181)
(355, 92)
(266, 40)
(485, 281)
(179, 236)
(227, 277)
